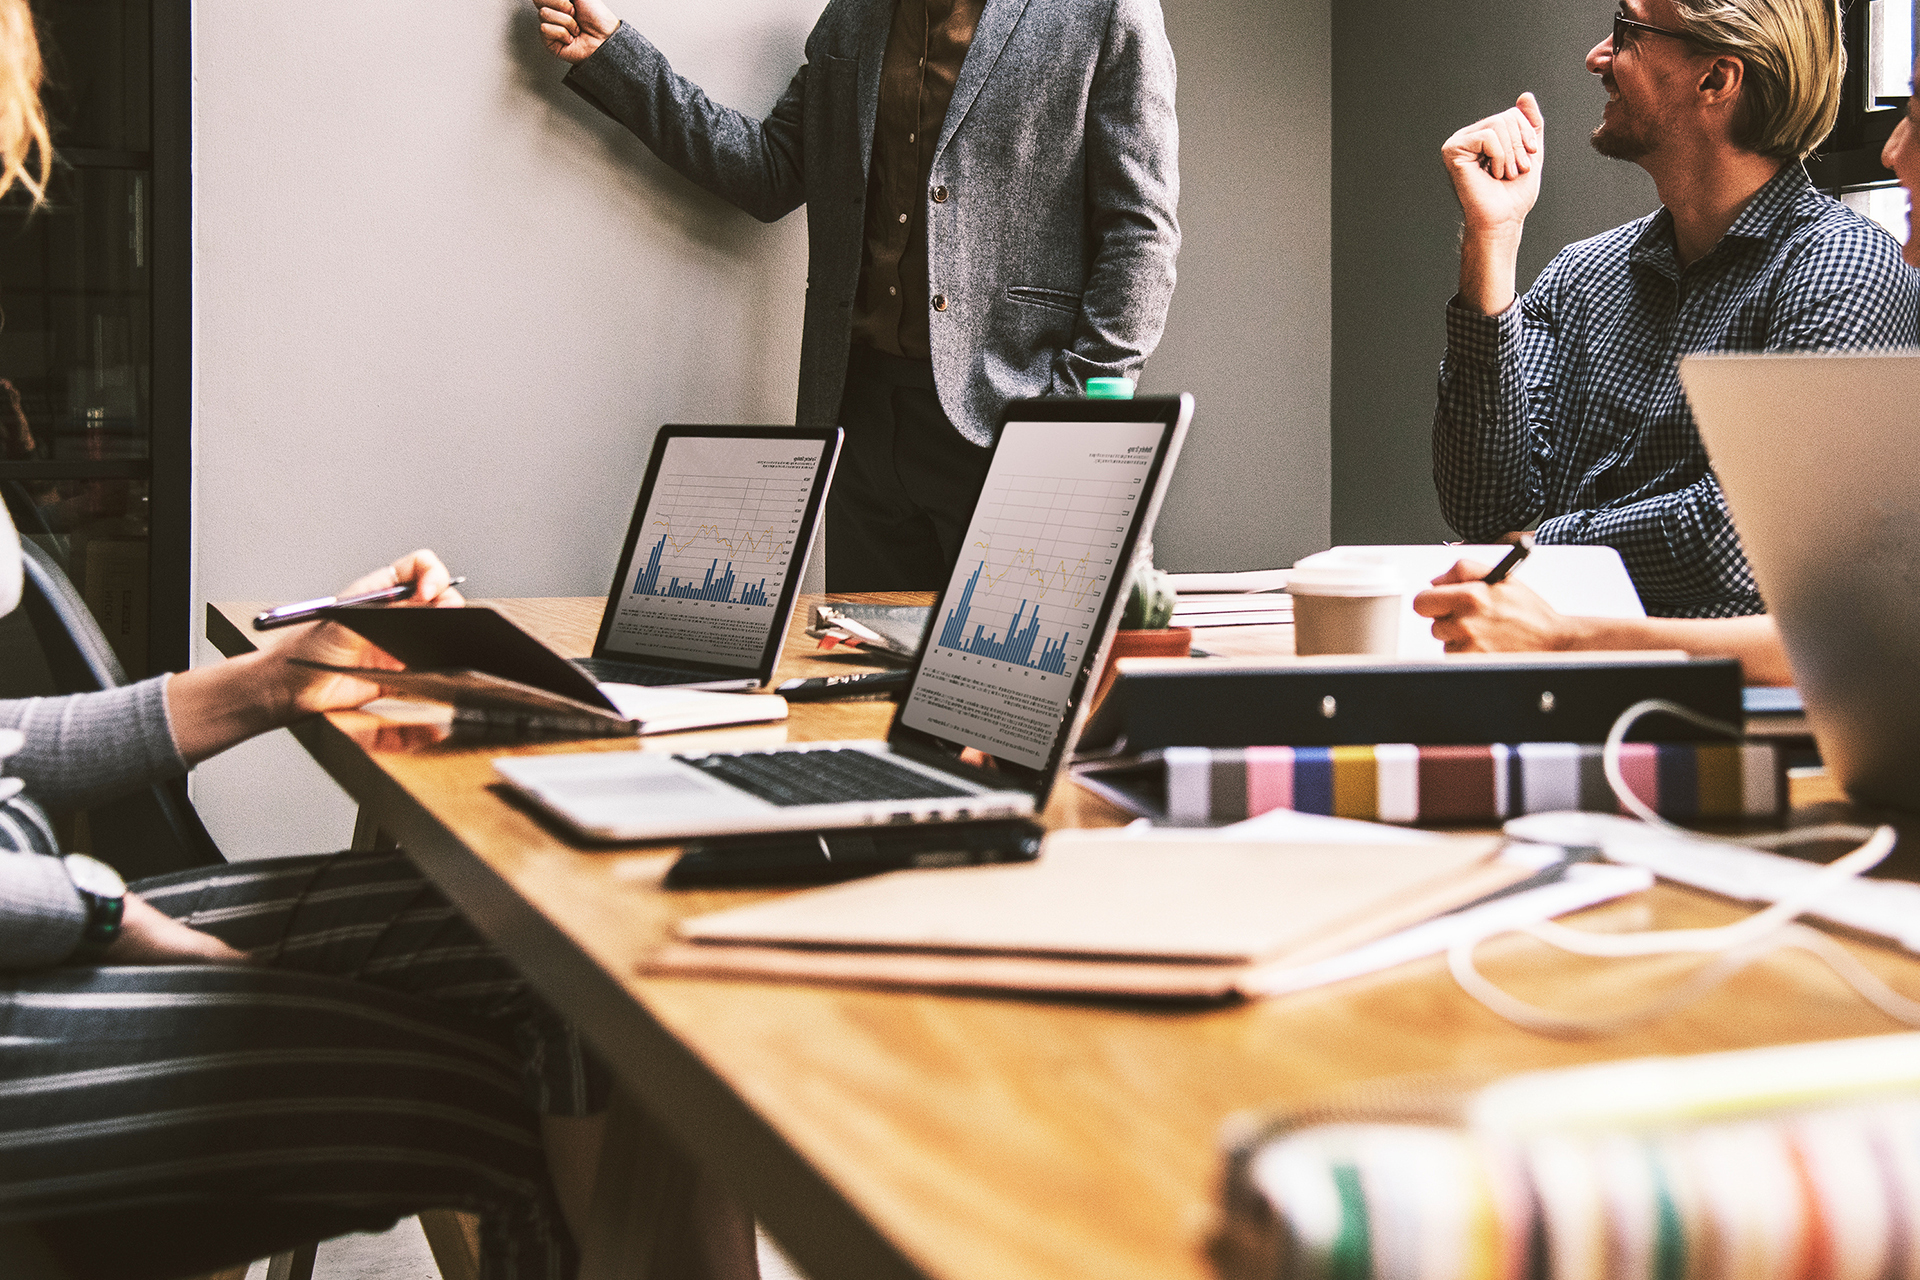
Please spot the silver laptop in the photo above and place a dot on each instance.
(714, 556)
(1819, 458)
(1073, 488)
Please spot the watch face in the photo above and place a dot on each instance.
(90, 875)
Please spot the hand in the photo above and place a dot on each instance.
(307, 691)
(150, 936)
(1471, 617)
(1495, 167)
(573, 29)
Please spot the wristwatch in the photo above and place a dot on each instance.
(104, 894)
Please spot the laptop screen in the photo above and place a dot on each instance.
(718, 543)
(1030, 603)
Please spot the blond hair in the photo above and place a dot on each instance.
(26, 152)
(1795, 58)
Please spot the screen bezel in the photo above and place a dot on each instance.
(831, 438)
(1173, 414)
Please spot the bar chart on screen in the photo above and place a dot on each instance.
(715, 547)
(1041, 555)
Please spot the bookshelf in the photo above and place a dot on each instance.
(95, 435)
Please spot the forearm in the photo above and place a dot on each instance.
(1753, 640)
(86, 748)
(755, 164)
(1679, 547)
(1489, 268)
(219, 706)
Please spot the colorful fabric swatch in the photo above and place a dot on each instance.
(1400, 782)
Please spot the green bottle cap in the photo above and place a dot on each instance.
(1109, 388)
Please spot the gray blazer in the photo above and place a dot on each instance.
(1050, 213)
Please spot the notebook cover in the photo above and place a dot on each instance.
(473, 639)
(1117, 918)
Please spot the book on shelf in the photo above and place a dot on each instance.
(1404, 783)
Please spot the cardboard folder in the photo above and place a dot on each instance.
(1161, 920)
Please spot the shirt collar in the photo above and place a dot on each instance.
(1763, 219)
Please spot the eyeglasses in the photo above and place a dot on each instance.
(1624, 27)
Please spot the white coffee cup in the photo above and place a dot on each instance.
(1346, 608)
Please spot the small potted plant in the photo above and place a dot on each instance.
(1144, 632)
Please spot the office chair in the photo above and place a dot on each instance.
(158, 830)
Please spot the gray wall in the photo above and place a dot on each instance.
(1406, 74)
(1248, 332)
(440, 301)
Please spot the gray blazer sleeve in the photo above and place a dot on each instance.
(755, 164)
(92, 747)
(1133, 189)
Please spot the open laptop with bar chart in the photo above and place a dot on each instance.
(714, 556)
(1027, 614)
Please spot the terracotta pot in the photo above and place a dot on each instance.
(1162, 642)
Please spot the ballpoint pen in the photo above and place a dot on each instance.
(287, 614)
(1522, 548)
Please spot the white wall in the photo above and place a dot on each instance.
(440, 300)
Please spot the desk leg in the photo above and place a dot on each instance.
(655, 1216)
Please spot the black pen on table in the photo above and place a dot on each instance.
(287, 614)
(1522, 548)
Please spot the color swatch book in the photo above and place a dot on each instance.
(1798, 1160)
(1400, 782)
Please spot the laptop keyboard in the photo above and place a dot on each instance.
(615, 672)
(833, 776)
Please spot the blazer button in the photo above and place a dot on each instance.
(939, 195)
(939, 302)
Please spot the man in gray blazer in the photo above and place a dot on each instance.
(990, 189)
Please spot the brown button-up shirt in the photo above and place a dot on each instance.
(925, 47)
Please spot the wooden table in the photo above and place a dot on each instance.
(905, 1135)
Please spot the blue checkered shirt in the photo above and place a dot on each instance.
(1567, 409)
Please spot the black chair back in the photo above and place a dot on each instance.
(150, 832)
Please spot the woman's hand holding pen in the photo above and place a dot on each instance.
(308, 691)
(214, 707)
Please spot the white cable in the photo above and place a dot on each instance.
(1735, 945)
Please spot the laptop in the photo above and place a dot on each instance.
(714, 556)
(1072, 490)
(1817, 456)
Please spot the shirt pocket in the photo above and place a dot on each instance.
(1052, 299)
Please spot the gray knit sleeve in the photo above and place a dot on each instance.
(88, 748)
(41, 915)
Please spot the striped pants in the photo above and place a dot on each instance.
(377, 1059)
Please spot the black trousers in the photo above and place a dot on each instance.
(907, 481)
(378, 1058)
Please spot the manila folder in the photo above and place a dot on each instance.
(1180, 920)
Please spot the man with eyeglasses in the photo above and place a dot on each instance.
(1561, 410)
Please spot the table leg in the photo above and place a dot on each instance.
(655, 1215)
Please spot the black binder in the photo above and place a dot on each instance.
(1358, 703)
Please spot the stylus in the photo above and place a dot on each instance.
(287, 614)
(826, 688)
(1522, 548)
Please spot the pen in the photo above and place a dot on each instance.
(1522, 548)
(287, 614)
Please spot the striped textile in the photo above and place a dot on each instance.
(380, 1058)
(1400, 782)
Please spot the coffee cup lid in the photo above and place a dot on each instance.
(1344, 579)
